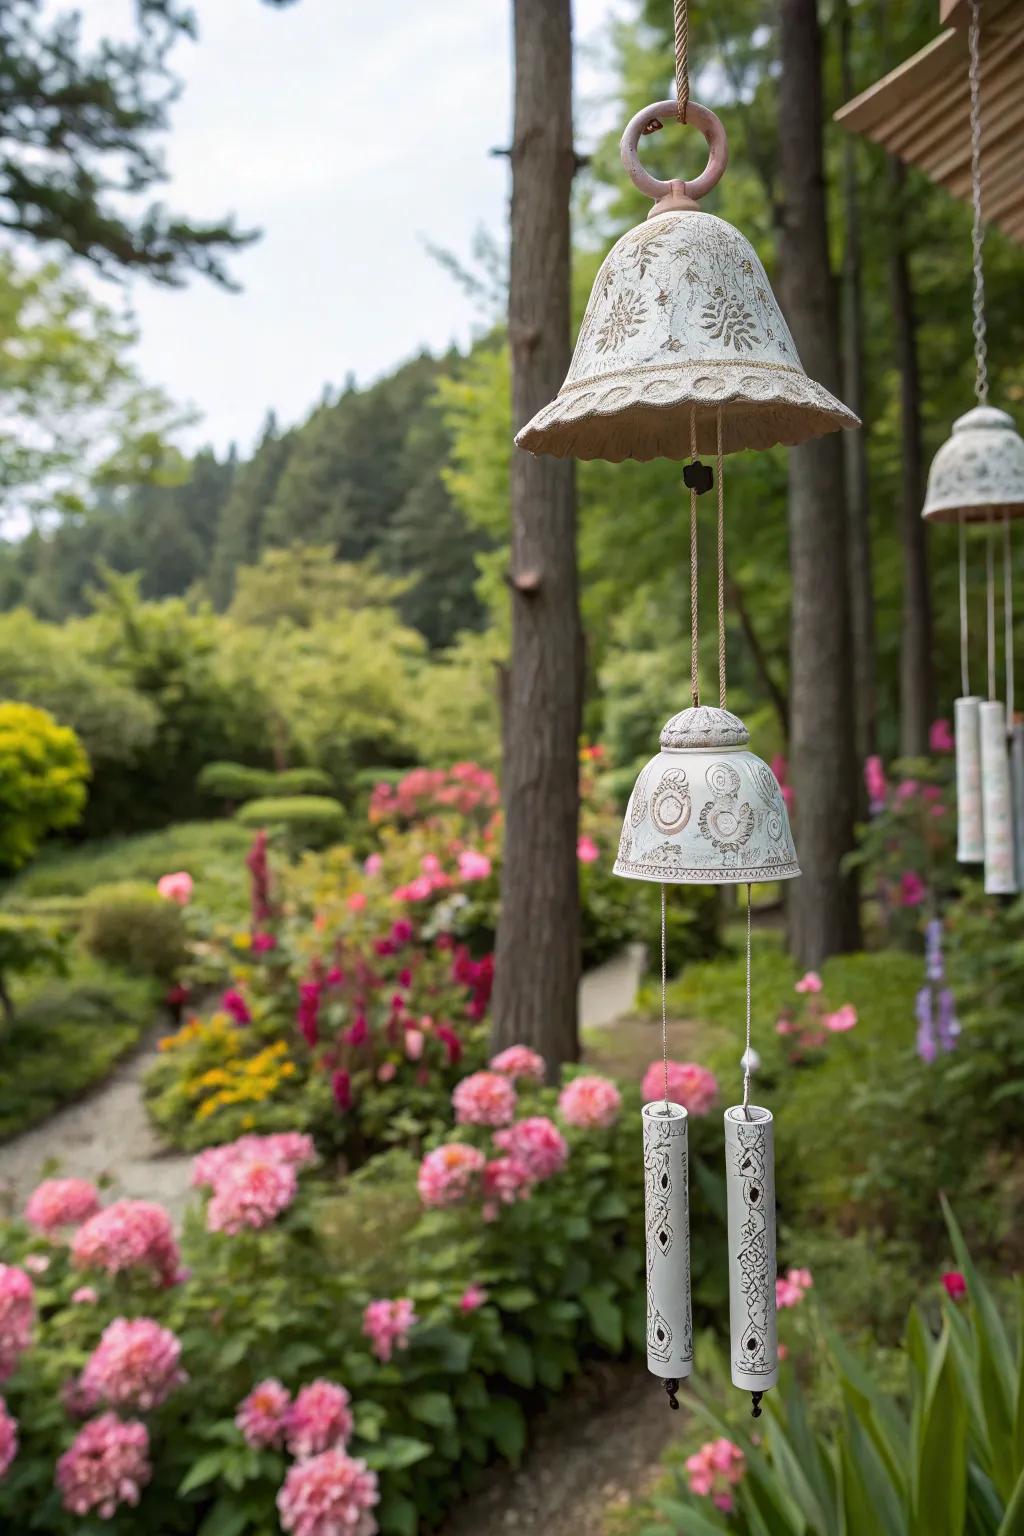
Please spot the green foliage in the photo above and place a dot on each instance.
(233, 781)
(28, 944)
(43, 773)
(130, 925)
(306, 821)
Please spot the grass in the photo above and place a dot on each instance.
(213, 852)
(67, 1035)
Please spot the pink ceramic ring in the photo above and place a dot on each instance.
(670, 191)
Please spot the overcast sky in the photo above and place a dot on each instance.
(348, 132)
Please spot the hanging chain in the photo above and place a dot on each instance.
(990, 604)
(746, 1053)
(664, 1001)
(682, 63)
(721, 565)
(978, 228)
(965, 671)
(1008, 619)
(694, 626)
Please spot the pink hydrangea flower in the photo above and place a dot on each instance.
(940, 736)
(234, 1003)
(505, 1181)
(387, 1323)
(519, 1061)
(261, 1415)
(810, 982)
(449, 1174)
(130, 1234)
(329, 1495)
(590, 1103)
(177, 887)
(689, 1084)
(106, 1465)
(252, 1192)
(85, 1296)
(17, 1315)
(714, 1471)
(791, 1288)
(386, 1072)
(472, 1297)
(318, 1420)
(536, 1144)
(36, 1263)
(136, 1364)
(8, 1439)
(473, 865)
(61, 1203)
(292, 1147)
(912, 889)
(843, 1019)
(484, 1098)
(587, 850)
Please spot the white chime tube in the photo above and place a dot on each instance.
(667, 1203)
(997, 805)
(750, 1195)
(970, 838)
(1017, 790)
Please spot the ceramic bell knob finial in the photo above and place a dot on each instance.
(978, 472)
(706, 810)
(682, 323)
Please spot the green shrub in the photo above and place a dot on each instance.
(130, 925)
(27, 944)
(236, 783)
(43, 773)
(304, 821)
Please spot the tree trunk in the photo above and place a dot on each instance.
(916, 675)
(824, 916)
(855, 444)
(537, 963)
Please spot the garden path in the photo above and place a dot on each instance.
(108, 1135)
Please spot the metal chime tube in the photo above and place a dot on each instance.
(997, 805)
(970, 838)
(750, 1192)
(1017, 789)
(667, 1202)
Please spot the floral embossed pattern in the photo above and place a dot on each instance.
(726, 318)
(624, 318)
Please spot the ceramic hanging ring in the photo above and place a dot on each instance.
(675, 193)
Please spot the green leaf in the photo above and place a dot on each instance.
(202, 1471)
(517, 1360)
(870, 1501)
(940, 1468)
(434, 1408)
(226, 1518)
(1013, 1519)
(515, 1298)
(398, 1516)
(396, 1452)
(502, 1420)
(604, 1316)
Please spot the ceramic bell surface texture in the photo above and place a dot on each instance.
(970, 838)
(706, 811)
(1017, 789)
(979, 470)
(997, 802)
(681, 320)
(667, 1208)
(750, 1200)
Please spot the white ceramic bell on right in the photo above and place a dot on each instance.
(978, 472)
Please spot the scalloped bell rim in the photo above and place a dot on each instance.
(657, 875)
(645, 414)
(978, 513)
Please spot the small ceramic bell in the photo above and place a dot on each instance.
(978, 472)
(706, 811)
(682, 323)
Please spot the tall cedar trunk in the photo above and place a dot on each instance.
(855, 444)
(537, 963)
(916, 675)
(823, 914)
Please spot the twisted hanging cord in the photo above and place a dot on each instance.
(990, 603)
(664, 1005)
(1008, 619)
(965, 678)
(746, 1053)
(694, 636)
(977, 228)
(682, 63)
(721, 565)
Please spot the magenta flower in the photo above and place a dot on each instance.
(449, 1174)
(387, 1323)
(912, 889)
(473, 1297)
(318, 1420)
(484, 1098)
(136, 1364)
(689, 1084)
(263, 943)
(590, 1103)
(940, 736)
(328, 1495)
(341, 1090)
(106, 1465)
(587, 850)
(8, 1439)
(234, 1003)
(261, 1416)
(61, 1203)
(875, 783)
(955, 1284)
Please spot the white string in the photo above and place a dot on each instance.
(664, 1004)
(1008, 619)
(965, 673)
(977, 228)
(990, 602)
(746, 1054)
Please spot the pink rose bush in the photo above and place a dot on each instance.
(129, 1235)
(485, 1098)
(17, 1316)
(136, 1365)
(387, 1324)
(536, 1144)
(715, 1470)
(318, 1420)
(689, 1084)
(329, 1495)
(808, 1025)
(590, 1103)
(106, 1465)
(262, 1415)
(59, 1203)
(253, 1179)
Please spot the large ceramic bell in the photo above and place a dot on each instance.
(979, 470)
(681, 322)
(706, 811)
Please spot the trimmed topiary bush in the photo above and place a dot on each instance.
(237, 783)
(306, 821)
(130, 925)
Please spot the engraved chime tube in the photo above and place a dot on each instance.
(997, 805)
(669, 1323)
(750, 1193)
(1017, 785)
(970, 838)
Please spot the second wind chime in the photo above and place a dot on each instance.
(683, 350)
